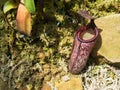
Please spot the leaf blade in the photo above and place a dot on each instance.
(30, 5)
(10, 4)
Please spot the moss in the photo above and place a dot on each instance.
(20, 65)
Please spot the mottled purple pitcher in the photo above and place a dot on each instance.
(82, 48)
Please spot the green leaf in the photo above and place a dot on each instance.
(30, 5)
(10, 4)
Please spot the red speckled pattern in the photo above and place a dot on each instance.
(80, 51)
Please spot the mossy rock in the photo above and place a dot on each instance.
(108, 44)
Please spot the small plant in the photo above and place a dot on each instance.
(24, 10)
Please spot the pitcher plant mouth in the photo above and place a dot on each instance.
(82, 48)
(89, 40)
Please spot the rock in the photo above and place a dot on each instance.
(65, 78)
(72, 84)
(46, 87)
(41, 55)
(109, 41)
